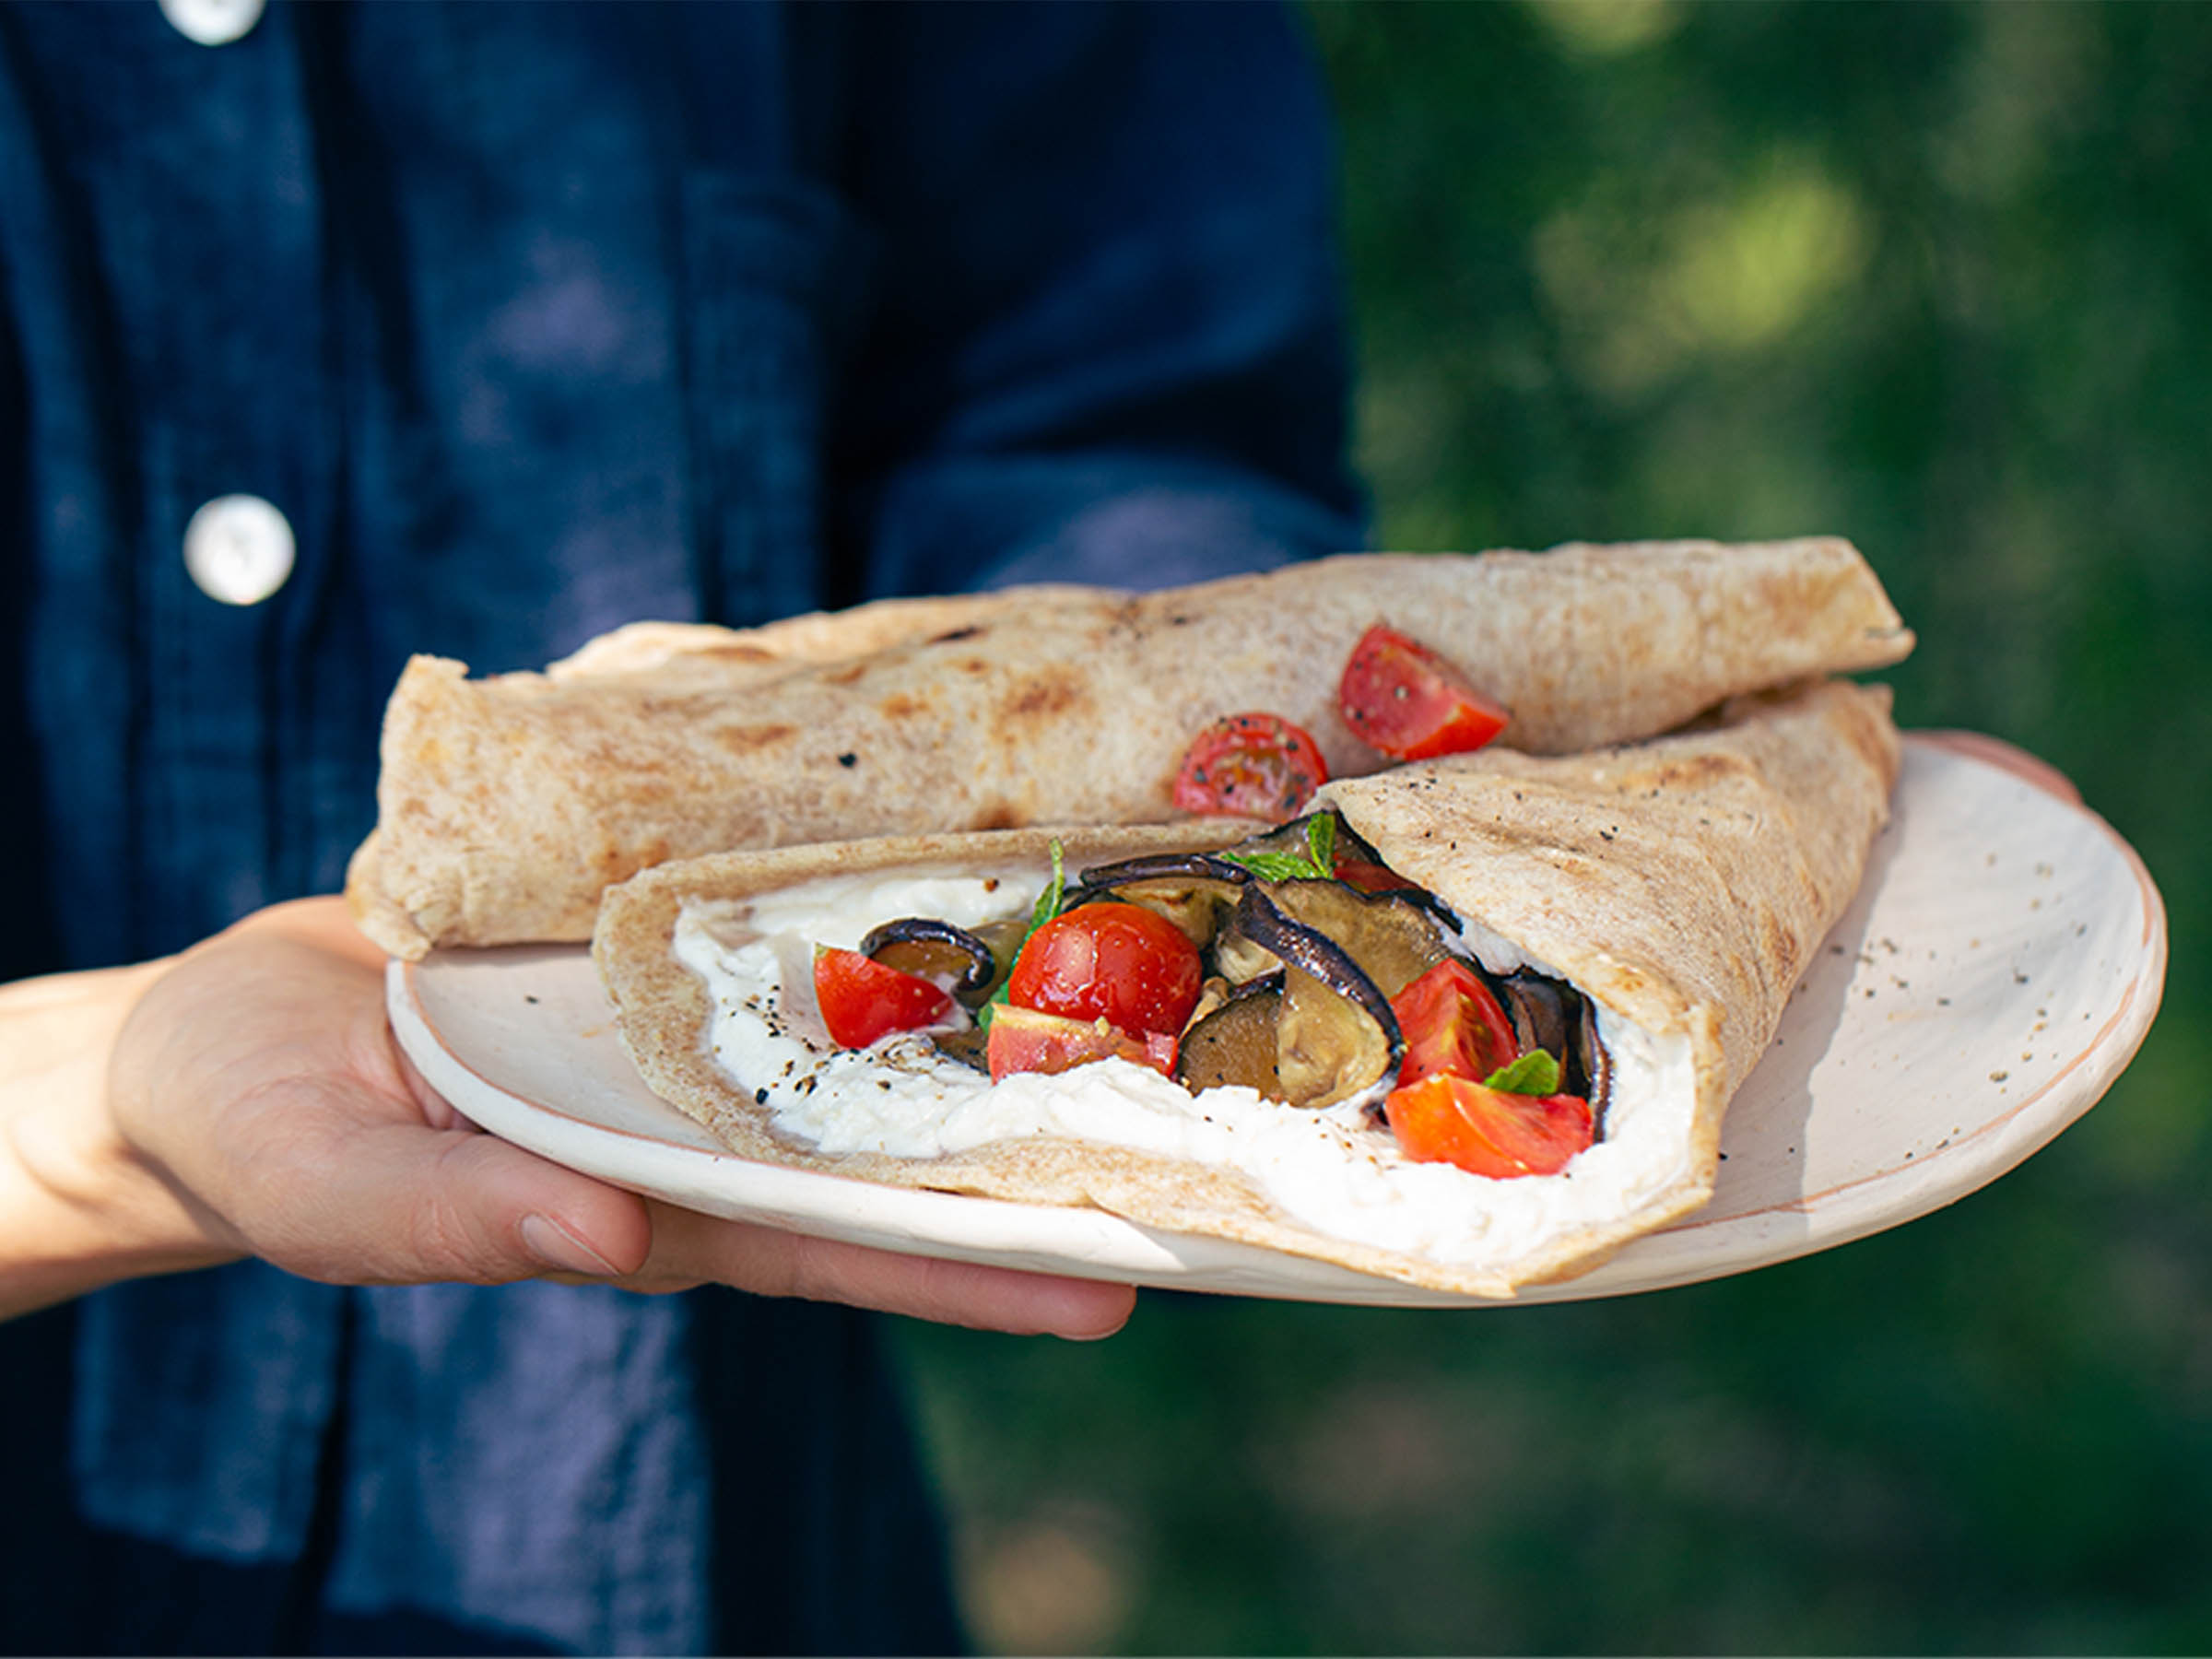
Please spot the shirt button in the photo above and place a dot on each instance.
(239, 549)
(212, 22)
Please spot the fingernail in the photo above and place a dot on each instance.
(556, 1246)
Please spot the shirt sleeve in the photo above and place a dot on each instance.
(1107, 343)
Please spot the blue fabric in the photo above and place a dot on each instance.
(534, 320)
(575, 1552)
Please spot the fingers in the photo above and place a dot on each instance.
(346, 1196)
(436, 1111)
(688, 1247)
(348, 1191)
(260, 1080)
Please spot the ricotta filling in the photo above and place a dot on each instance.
(1333, 1170)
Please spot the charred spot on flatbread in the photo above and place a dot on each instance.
(904, 706)
(1045, 696)
(746, 739)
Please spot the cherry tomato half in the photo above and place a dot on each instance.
(1022, 1039)
(1120, 963)
(1254, 765)
(1487, 1131)
(1402, 699)
(1453, 1026)
(863, 1000)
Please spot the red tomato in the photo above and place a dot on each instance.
(1453, 1026)
(863, 1000)
(1122, 963)
(1485, 1131)
(1022, 1039)
(1369, 877)
(1250, 766)
(1401, 698)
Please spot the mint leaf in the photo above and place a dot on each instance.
(1317, 862)
(1271, 866)
(1321, 842)
(1535, 1073)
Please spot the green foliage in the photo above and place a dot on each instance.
(1935, 276)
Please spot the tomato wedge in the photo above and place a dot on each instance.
(1487, 1131)
(1022, 1039)
(863, 1000)
(1370, 877)
(1453, 1026)
(1122, 963)
(1254, 765)
(1402, 699)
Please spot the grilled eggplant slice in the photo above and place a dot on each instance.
(1195, 891)
(1597, 1065)
(968, 1047)
(1545, 1015)
(934, 950)
(1328, 1046)
(1393, 941)
(1234, 1045)
(1336, 1037)
(1170, 866)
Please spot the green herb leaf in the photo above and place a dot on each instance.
(1321, 842)
(1318, 863)
(1271, 866)
(1054, 895)
(1535, 1073)
(1048, 906)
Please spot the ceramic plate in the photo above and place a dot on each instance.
(2000, 968)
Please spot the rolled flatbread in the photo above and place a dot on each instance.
(1682, 885)
(506, 806)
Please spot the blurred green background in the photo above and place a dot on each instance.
(1935, 276)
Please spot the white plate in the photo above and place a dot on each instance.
(2001, 965)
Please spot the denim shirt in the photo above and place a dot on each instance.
(530, 321)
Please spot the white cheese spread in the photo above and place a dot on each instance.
(1333, 1170)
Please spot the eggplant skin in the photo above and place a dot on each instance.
(1197, 905)
(1544, 1012)
(1163, 866)
(1393, 941)
(925, 947)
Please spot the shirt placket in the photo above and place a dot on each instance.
(200, 1427)
(219, 292)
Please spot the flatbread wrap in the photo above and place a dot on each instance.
(1677, 888)
(507, 805)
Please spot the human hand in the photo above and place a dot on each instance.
(258, 1082)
